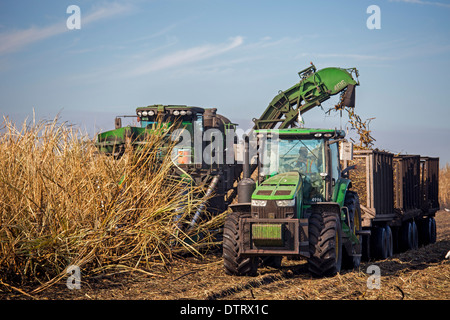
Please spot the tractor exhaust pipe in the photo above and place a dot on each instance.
(246, 164)
(246, 186)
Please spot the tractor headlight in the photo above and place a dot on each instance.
(176, 113)
(259, 203)
(286, 203)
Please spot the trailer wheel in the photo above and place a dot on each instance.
(415, 235)
(390, 241)
(325, 244)
(433, 231)
(408, 236)
(380, 242)
(233, 263)
(427, 230)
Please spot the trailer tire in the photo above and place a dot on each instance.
(233, 263)
(427, 230)
(325, 244)
(408, 236)
(433, 231)
(390, 241)
(415, 235)
(380, 243)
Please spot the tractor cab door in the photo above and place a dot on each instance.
(335, 168)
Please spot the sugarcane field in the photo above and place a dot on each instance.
(224, 151)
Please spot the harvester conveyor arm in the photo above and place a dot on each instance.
(314, 88)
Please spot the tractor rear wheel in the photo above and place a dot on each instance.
(325, 244)
(233, 263)
(352, 254)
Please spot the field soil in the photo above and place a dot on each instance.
(417, 274)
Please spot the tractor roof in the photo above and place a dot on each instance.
(306, 132)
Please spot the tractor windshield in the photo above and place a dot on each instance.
(303, 155)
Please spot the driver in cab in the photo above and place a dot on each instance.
(304, 163)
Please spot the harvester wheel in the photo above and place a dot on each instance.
(325, 244)
(233, 262)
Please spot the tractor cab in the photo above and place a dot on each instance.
(304, 160)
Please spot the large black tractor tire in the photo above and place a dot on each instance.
(325, 244)
(351, 258)
(234, 264)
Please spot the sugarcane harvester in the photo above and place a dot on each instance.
(302, 204)
(199, 149)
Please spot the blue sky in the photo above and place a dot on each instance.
(232, 55)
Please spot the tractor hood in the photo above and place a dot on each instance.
(283, 186)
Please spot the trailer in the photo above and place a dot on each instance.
(398, 197)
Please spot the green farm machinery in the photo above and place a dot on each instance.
(292, 190)
(199, 138)
(302, 204)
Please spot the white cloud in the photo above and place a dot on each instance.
(186, 56)
(145, 62)
(431, 3)
(15, 40)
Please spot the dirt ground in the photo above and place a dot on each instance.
(417, 274)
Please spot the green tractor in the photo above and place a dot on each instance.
(302, 204)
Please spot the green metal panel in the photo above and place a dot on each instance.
(340, 189)
(314, 88)
(287, 182)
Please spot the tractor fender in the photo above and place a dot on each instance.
(340, 190)
(241, 207)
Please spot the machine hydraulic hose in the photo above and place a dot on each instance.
(202, 207)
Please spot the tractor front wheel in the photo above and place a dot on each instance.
(233, 262)
(325, 244)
